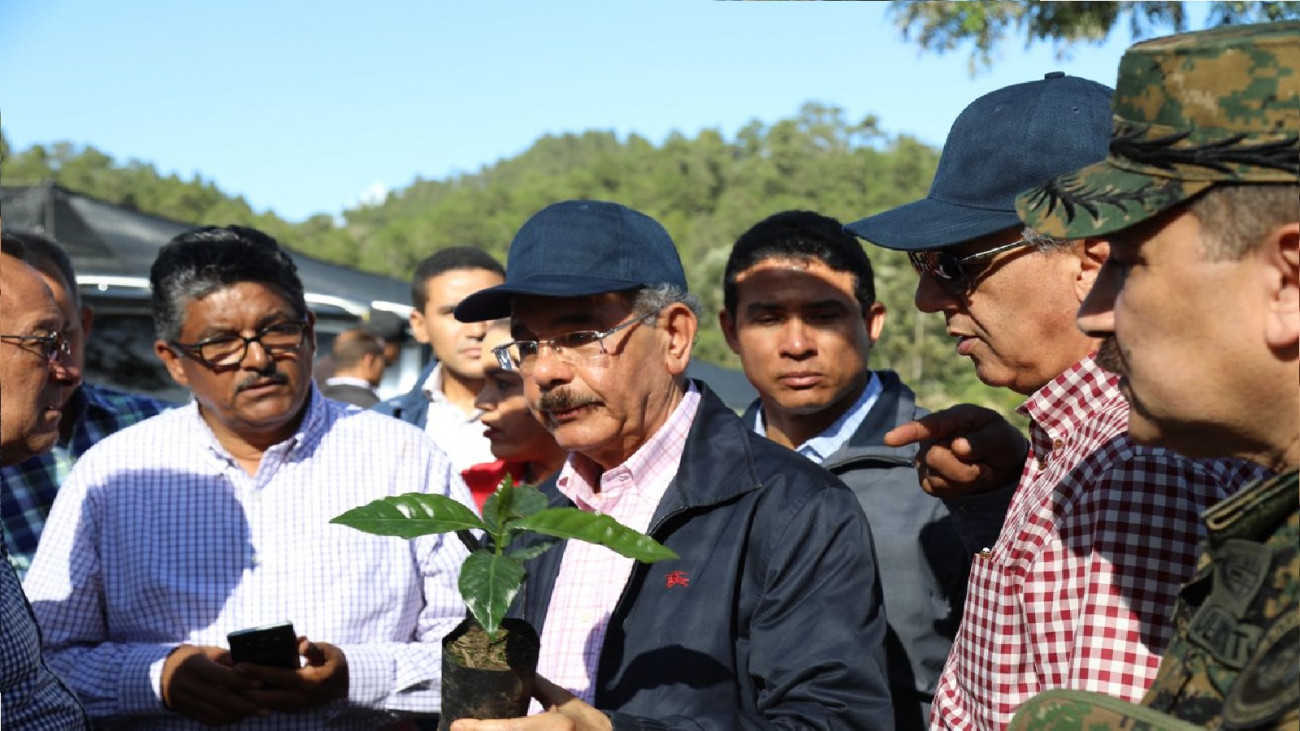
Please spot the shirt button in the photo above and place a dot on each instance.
(1057, 443)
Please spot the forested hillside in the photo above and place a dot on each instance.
(705, 189)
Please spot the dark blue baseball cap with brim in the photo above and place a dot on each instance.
(1005, 142)
(579, 248)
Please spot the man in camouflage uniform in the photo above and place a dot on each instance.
(1200, 305)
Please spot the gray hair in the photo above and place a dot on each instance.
(651, 299)
(1043, 242)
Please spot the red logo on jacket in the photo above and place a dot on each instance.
(677, 578)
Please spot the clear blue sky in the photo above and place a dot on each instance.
(301, 106)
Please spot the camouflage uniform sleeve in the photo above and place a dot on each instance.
(1059, 710)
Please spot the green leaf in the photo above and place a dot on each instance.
(509, 503)
(594, 528)
(488, 583)
(513, 501)
(541, 545)
(411, 515)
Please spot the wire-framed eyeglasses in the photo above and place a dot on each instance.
(586, 347)
(953, 272)
(225, 351)
(52, 347)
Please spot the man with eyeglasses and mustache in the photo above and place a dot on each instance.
(214, 517)
(1097, 533)
(36, 376)
(773, 615)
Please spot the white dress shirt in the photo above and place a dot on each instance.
(459, 434)
(159, 538)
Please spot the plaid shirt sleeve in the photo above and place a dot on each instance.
(27, 489)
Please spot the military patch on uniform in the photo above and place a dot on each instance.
(1240, 568)
(1217, 629)
(1269, 685)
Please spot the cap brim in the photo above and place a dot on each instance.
(931, 224)
(1101, 199)
(494, 302)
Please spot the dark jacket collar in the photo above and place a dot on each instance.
(895, 405)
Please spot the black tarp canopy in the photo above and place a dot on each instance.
(115, 245)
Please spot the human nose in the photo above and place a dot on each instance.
(549, 366)
(930, 296)
(476, 330)
(1096, 315)
(255, 359)
(794, 338)
(485, 399)
(64, 370)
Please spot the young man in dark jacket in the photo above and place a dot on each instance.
(800, 309)
(773, 614)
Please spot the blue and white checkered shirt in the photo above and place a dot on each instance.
(159, 538)
(27, 489)
(31, 697)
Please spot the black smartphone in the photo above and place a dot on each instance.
(274, 645)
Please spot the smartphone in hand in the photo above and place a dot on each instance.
(274, 645)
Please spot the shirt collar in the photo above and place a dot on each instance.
(309, 431)
(835, 436)
(1070, 399)
(349, 381)
(664, 446)
(432, 387)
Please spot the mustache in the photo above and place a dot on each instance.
(261, 379)
(562, 401)
(1109, 356)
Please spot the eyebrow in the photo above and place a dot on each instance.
(279, 317)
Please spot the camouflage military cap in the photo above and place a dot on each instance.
(1068, 710)
(1190, 111)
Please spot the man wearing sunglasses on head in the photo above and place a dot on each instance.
(214, 517)
(1096, 533)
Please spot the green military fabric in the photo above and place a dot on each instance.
(1234, 661)
(1190, 110)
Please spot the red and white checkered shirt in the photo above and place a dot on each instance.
(1079, 587)
(591, 578)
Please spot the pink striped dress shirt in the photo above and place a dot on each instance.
(592, 578)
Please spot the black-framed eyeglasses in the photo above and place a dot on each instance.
(951, 271)
(224, 351)
(52, 346)
(581, 346)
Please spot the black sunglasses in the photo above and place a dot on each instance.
(951, 271)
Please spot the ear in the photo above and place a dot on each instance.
(1092, 255)
(1281, 253)
(172, 361)
(87, 320)
(680, 325)
(728, 325)
(417, 327)
(311, 333)
(874, 319)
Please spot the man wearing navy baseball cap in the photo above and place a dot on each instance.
(773, 611)
(1074, 589)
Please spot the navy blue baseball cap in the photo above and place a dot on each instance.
(1005, 142)
(580, 248)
